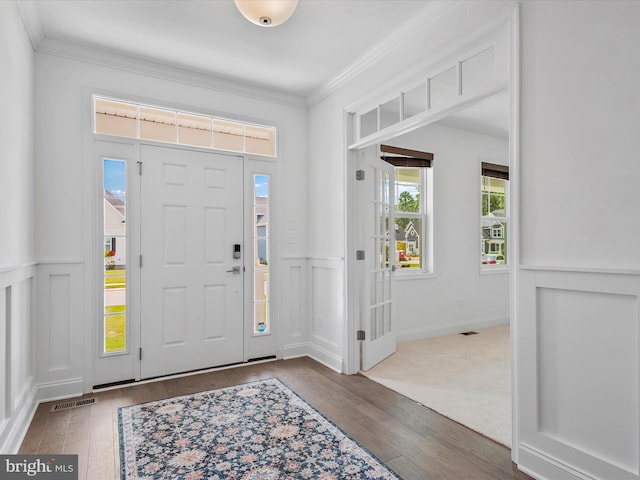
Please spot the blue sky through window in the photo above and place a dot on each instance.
(262, 185)
(115, 178)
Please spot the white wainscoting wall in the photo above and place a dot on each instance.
(327, 310)
(313, 288)
(60, 328)
(294, 307)
(578, 338)
(18, 400)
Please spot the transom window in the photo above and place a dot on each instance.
(126, 119)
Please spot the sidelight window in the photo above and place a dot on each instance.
(261, 239)
(114, 326)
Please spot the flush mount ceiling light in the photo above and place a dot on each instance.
(267, 13)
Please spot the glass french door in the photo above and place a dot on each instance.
(376, 271)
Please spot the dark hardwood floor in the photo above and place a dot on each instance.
(417, 443)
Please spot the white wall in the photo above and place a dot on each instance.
(16, 134)
(579, 286)
(430, 306)
(580, 118)
(17, 355)
(65, 230)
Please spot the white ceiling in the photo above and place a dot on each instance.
(321, 42)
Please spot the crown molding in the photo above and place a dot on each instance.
(31, 22)
(165, 71)
(431, 14)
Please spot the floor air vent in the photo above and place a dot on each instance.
(74, 404)
(469, 333)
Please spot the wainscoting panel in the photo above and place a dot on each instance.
(579, 373)
(60, 341)
(17, 355)
(295, 307)
(327, 309)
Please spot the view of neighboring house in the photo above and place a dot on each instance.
(114, 229)
(493, 237)
(494, 233)
(407, 241)
(262, 219)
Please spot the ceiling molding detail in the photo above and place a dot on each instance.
(432, 13)
(166, 71)
(31, 22)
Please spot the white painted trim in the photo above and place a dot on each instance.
(431, 14)
(51, 391)
(544, 467)
(72, 261)
(328, 359)
(31, 22)
(315, 352)
(16, 268)
(325, 259)
(295, 350)
(425, 118)
(15, 428)
(514, 230)
(572, 269)
(166, 71)
(429, 332)
(16, 274)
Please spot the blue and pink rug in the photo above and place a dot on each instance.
(255, 431)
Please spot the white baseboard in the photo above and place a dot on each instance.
(51, 391)
(14, 429)
(295, 350)
(428, 332)
(542, 467)
(319, 354)
(328, 359)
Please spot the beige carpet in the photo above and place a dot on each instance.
(465, 378)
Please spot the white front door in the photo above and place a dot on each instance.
(376, 271)
(191, 223)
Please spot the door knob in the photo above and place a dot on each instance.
(234, 270)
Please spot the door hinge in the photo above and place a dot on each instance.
(359, 174)
(140, 353)
(359, 254)
(140, 261)
(360, 335)
(139, 168)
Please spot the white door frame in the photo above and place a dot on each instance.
(129, 149)
(351, 344)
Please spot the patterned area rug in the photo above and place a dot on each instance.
(260, 430)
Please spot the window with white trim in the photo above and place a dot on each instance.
(412, 244)
(494, 188)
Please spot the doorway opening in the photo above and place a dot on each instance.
(470, 283)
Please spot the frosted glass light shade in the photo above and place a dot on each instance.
(267, 13)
